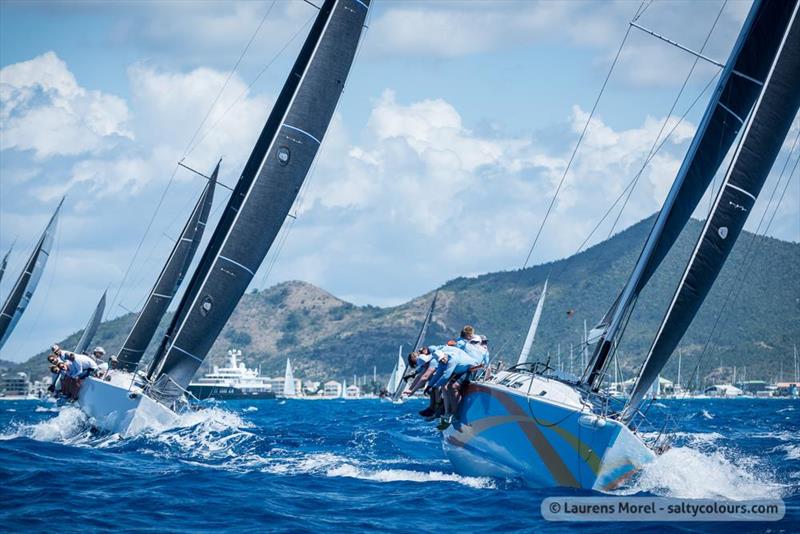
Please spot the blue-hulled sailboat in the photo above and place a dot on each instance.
(528, 422)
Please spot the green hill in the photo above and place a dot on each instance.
(329, 338)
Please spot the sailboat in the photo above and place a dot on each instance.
(397, 392)
(398, 372)
(289, 387)
(22, 292)
(533, 425)
(91, 326)
(255, 212)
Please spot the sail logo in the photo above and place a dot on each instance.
(723, 232)
(737, 206)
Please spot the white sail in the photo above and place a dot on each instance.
(401, 367)
(526, 347)
(289, 389)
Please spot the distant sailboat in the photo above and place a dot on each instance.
(397, 392)
(398, 371)
(22, 292)
(537, 315)
(289, 389)
(556, 432)
(255, 212)
(91, 326)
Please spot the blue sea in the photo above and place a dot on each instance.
(352, 466)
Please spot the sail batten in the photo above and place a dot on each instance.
(765, 132)
(264, 194)
(169, 280)
(715, 135)
(91, 326)
(537, 315)
(17, 301)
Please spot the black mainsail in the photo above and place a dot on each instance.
(168, 281)
(263, 195)
(403, 380)
(739, 86)
(764, 134)
(23, 289)
(91, 326)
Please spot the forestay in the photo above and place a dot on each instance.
(169, 280)
(23, 289)
(761, 142)
(264, 194)
(739, 85)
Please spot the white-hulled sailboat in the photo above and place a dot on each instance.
(255, 212)
(527, 422)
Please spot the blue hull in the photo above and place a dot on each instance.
(545, 441)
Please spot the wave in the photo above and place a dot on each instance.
(689, 473)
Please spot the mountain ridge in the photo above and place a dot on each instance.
(327, 337)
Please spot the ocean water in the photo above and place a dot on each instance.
(351, 466)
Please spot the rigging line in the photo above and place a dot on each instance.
(666, 119)
(247, 89)
(228, 79)
(678, 45)
(577, 145)
(663, 142)
(748, 256)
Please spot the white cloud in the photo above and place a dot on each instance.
(43, 109)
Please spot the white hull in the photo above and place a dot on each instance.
(116, 407)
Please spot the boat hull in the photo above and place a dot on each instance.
(117, 408)
(509, 433)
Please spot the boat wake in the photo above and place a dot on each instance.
(691, 473)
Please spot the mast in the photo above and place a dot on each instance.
(739, 86)
(264, 194)
(537, 315)
(91, 326)
(764, 133)
(22, 292)
(169, 280)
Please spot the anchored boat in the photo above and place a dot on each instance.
(255, 212)
(532, 423)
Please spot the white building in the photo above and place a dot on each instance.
(332, 388)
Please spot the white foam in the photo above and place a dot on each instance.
(41, 409)
(405, 475)
(250, 409)
(689, 473)
(707, 415)
(66, 426)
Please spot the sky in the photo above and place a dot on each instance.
(456, 125)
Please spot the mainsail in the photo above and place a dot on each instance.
(404, 378)
(289, 389)
(761, 142)
(738, 88)
(168, 281)
(23, 289)
(91, 326)
(537, 315)
(264, 194)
